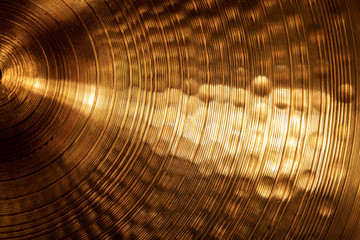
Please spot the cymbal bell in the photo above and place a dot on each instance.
(179, 119)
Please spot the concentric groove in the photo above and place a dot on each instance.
(179, 119)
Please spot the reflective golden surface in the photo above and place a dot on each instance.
(179, 119)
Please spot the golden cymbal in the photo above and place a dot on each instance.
(179, 119)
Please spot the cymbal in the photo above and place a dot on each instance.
(179, 119)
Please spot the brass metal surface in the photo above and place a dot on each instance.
(179, 119)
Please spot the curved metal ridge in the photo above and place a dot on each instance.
(179, 119)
